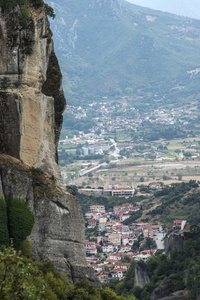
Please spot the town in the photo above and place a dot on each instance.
(116, 244)
(98, 136)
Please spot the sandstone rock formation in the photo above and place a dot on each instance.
(142, 274)
(173, 242)
(31, 106)
(32, 99)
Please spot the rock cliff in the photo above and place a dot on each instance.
(32, 99)
(142, 274)
(173, 242)
(31, 106)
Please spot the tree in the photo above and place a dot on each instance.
(141, 179)
(15, 279)
(4, 236)
(20, 220)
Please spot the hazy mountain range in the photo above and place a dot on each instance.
(112, 48)
(188, 8)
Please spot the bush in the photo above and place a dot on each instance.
(4, 236)
(49, 11)
(8, 4)
(20, 220)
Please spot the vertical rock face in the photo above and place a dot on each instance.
(32, 99)
(173, 242)
(31, 106)
(164, 289)
(142, 274)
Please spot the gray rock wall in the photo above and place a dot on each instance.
(173, 242)
(142, 274)
(58, 233)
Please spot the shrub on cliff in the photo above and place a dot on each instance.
(4, 236)
(8, 4)
(20, 220)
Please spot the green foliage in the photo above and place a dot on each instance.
(4, 236)
(25, 279)
(49, 11)
(84, 124)
(8, 4)
(25, 12)
(183, 268)
(20, 220)
(17, 276)
(25, 247)
(134, 216)
(149, 244)
(37, 3)
(178, 201)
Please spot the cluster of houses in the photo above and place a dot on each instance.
(106, 121)
(115, 240)
(110, 252)
(98, 217)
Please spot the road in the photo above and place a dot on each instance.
(116, 152)
(159, 240)
(81, 173)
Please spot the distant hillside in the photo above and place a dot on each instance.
(179, 7)
(178, 201)
(113, 48)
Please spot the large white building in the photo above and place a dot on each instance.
(120, 192)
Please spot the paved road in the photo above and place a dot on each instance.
(116, 152)
(159, 241)
(81, 173)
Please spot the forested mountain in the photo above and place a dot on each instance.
(113, 48)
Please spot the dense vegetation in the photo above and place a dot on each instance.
(16, 221)
(178, 201)
(182, 268)
(10, 4)
(22, 278)
(83, 124)
(153, 132)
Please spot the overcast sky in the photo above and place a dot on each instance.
(188, 8)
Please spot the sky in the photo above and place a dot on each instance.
(188, 8)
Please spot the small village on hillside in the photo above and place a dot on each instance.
(115, 245)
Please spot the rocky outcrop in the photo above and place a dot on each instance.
(173, 298)
(162, 290)
(58, 233)
(142, 274)
(31, 106)
(198, 294)
(173, 242)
